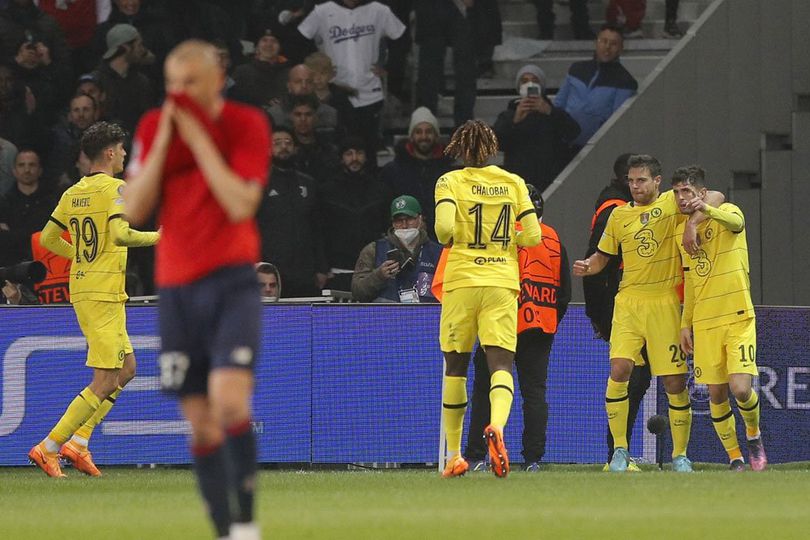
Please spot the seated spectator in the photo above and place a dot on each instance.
(418, 162)
(129, 92)
(289, 225)
(65, 140)
(351, 32)
(594, 89)
(354, 209)
(299, 83)
(329, 93)
(269, 281)
(261, 82)
(534, 134)
(316, 155)
(283, 18)
(17, 294)
(24, 209)
(400, 266)
(90, 85)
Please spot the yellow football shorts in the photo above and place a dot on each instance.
(487, 312)
(104, 325)
(724, 350)
(651, 319)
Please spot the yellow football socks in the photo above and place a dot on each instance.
(454, 405)
(750, 412)
(617, 407)
(501, 392)
(83, 434)
(680, 421)
(726, 427)
(80, 409)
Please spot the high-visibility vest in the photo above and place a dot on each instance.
(607, 204)
(55, 288)
(540, 283)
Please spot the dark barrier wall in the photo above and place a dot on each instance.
(352, 383)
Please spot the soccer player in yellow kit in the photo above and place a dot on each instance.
(717, 307)
(91, 211)
(647, 307)
(476, 211)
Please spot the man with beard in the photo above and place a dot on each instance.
(419, 161)
(354, 205)
(290, 229)
(66, 139)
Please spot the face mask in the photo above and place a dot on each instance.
(525, 92)
(407, 236)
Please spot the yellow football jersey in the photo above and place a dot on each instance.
(717, 286)
(99, 266)
(645, 237)
(488, 201)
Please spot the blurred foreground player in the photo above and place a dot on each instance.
(717, 307)
(476, 211)
(92, 212)
(204, 161)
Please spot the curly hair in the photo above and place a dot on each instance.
(473, 143)
(99, 136)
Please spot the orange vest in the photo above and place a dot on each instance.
(607, 204)
(55, 287)
(539, 283)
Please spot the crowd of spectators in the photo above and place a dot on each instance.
(319, 71)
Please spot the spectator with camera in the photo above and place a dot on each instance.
(400, 266)
(532, 132)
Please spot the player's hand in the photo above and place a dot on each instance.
(389, 269)
(582, 267)
(190, 129)
(687, 347)
(165, 124)
(697, 204)
(691, 242)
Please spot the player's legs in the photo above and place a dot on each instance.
(127, 372)
(723, 420)
(210, 466)
(457, 331)
(479, 409)
(741, 344)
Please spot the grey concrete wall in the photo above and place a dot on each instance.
(731, 79)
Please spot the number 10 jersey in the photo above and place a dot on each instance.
(86, 210)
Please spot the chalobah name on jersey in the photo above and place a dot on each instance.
(490, 191)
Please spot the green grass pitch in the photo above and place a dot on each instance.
(576, 502)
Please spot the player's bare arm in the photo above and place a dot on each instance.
(142, 192)
(239, 199)
(592, 265)
(691, 243)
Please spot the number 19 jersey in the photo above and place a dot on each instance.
(99, 266)
(488, 202)
(645, 237)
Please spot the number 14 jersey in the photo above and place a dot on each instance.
(99, 266)
(488, 202)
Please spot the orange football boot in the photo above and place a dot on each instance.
(47, 461)
(82, 460)
(456, 466)
(498, 457)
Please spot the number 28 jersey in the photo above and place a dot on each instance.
(488, 202)
(645, 237)
(99, 266)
